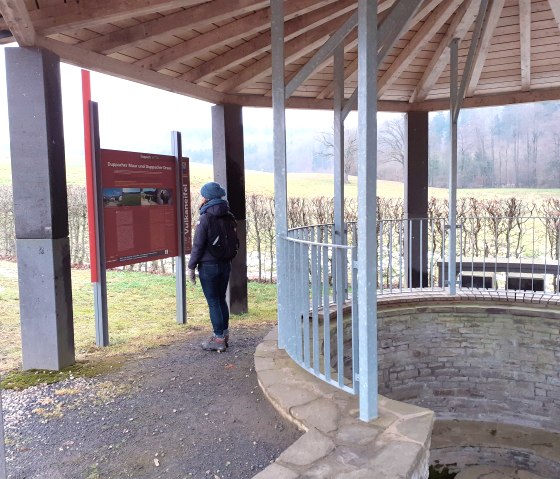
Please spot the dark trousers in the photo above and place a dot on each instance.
(214, 278)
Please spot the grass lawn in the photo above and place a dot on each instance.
(141, 316)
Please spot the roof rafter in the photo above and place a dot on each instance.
(234, 30)
(458, 28)
(491, 21)
(111, 66)
(192, 17)
(293, 50)
(426, 32)
(18, 21)
(261, 43)
(525, 43)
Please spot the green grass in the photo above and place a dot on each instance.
(141, 316)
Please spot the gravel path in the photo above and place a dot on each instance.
(177, 412)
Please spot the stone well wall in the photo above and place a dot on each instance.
(493, 361)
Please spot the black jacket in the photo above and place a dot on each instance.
(199, 253)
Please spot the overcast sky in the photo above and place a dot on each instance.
(135, 117)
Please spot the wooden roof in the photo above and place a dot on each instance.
(220, 50)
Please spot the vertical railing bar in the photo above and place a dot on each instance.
(315, 305)
(355, 328)
(431, 220)
(305, 304)
(421, 256)
(461, 257)
(391, 257)
(401, 260)
(409, 265)
(326, 315)
(545, 255)
(381, 275)
(443, 240)
(339, 321)
(484, 252)
(533, 261)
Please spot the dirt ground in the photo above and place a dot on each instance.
(176, 412)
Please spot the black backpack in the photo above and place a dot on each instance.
(223, 242)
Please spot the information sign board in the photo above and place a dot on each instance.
(140, 206)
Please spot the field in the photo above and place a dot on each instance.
(309, 185)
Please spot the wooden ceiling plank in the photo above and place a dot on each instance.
(234, 30)
(321, 55)
(192, 17)
(296, 48)
(492, 18)
(101, 63)
(430, 27)
(261, 43)
(219, 36)
(458, 28)
(18, 21)
(69, 17)
(525, 43)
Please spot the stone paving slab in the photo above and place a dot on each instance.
(337, 444)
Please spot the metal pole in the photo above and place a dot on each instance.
(100, 287)
(280, 183)
(180, 276)
(2, 444)
(367, 192)
(453, 168)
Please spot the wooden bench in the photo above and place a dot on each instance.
(509, 266)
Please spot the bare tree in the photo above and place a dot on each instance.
(392, 140)
(350, 150)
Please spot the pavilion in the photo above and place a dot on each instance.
(412, 56)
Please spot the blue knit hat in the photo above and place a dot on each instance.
(212, 190)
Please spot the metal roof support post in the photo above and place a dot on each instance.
(280, 183)
(339, 224)
(452, 271)
(367, 205)
(2, 445)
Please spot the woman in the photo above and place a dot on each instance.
(213, 272)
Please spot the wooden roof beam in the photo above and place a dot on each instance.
(235, 30)
(555, 7)
(18, 21)
(525, 43)
(458, 28)
(426, 32)
(101, 63)
(68, 17)
(261, 43)
(293, 50)
(492, 18)
(193, 17)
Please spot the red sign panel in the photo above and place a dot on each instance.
(139, 206)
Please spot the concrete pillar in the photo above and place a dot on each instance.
(416, 200)
(40, 208)
(229, 171)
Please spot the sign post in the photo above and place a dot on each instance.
(182, 220)
(142, 213)
(100, 286)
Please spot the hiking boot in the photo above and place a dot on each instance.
(214, 344)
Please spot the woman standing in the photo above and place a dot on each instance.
(214, 266)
